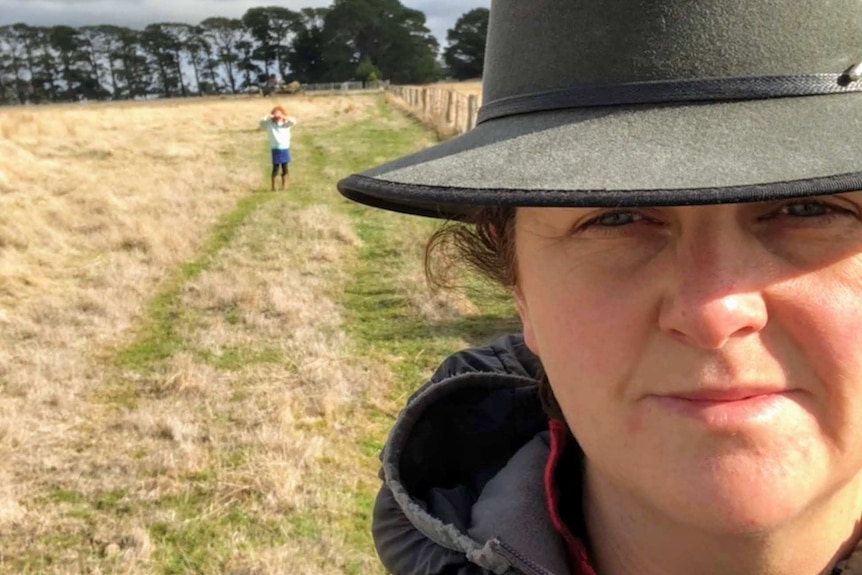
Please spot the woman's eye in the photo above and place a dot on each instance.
(614, 219)
(613, 223)
(808, 209)
(808, 213)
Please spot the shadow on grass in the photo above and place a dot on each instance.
(476, 330)
(386, 318)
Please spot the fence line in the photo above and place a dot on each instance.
(439, 106)
(282, 88)
(344, 86)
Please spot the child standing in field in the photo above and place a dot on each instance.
(278, 125)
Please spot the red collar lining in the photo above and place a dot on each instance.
(576, 551)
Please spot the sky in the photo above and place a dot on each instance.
(441, 14)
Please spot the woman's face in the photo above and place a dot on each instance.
(708, 359)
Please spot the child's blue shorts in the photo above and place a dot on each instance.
(280, 157)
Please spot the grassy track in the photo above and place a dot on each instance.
(238, 428)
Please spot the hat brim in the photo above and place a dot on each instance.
(673, 154)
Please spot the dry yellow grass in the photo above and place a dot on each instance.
(468, 87)
(98, 205)
(196, 375)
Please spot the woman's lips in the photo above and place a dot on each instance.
(720, 395)
(727, 407)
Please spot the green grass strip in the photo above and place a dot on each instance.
(158, 338)
(381, 320)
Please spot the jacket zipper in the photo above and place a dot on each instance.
(524, 565)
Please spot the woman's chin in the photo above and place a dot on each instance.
(750, 478)
(727, 497)
(741, 511)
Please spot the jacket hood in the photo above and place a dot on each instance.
(463, 472)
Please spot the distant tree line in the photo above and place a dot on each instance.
(349, 40)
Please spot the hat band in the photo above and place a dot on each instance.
(660, 92)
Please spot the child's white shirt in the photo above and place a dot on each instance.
(278, 134)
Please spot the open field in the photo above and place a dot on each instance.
(196, 374)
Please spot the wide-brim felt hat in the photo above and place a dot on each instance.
(647, 103)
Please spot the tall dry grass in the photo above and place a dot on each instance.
(468, 87)
(98, 204)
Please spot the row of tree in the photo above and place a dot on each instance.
(350, 40)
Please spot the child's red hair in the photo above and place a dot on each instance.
(279, 109)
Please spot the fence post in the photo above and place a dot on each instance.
(459, 111)
(472, 111)
(450, 99)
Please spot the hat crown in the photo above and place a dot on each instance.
(648, 103)
(539, 45)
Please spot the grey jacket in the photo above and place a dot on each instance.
(462, 469)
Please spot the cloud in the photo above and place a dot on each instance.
(441, 14)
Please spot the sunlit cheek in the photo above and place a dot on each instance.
(822, 313)
(828, 310)
(591, 336)
(591, 312)
(590, 322)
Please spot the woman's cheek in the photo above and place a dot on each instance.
(822, 312)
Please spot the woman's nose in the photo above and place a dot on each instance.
(715, 294)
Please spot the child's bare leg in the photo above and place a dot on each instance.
(274, 174)
(284, 174)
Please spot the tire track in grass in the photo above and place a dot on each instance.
(96, 518)
(159, 339)
(279, 476)
(220, 444)
(252, 451)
